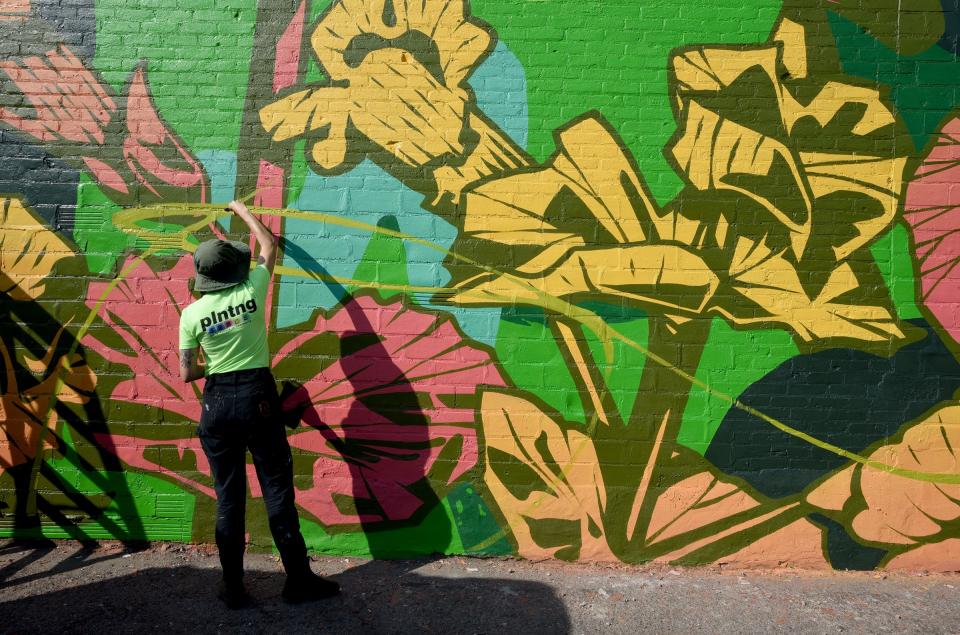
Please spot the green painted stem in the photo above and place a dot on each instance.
(625, 452)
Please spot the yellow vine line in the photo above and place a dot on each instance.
(128, 219)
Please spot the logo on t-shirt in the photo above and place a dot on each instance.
(220, 321)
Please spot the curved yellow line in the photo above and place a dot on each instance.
(128, 219)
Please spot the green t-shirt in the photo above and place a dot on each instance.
(230, 325)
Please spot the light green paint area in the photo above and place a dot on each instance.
(528, 353)
(623, 372)
(135, 506)
(161, 510)
(317, 7)
(99, 239)
(612, 56)
(197, 55)
(892, 253)
(298, 171)
(96, 235)
(384, 262)
(731, 362)
(433, 534)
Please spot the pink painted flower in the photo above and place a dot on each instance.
(932, 210)
(144, 311)
(391, 412)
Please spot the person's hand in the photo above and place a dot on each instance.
(238, 208)
(265, 239)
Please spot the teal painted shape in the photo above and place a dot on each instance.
(924, 88)
(221, 167)
(364, 194)
(480, 533)
(367, 193)
(500, 86)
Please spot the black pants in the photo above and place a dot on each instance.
(240, 412)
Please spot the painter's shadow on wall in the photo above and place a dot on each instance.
(379, 597)
(385, 436)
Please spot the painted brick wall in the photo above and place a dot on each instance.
(627, 280)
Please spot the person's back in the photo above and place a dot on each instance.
(230, 325)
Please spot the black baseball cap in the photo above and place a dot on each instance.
(220, 264)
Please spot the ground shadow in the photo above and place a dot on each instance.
(378, 597)
(26, 552)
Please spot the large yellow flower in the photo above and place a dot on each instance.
(28, 251)
(583, 227)
(783, 194)
(397, 71)
(819, 157)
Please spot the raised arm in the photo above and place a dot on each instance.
(266, 241)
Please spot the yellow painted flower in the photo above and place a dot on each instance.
(783, 194)
(28, 251)
(397, 71)
(583, 227)
(821, 159)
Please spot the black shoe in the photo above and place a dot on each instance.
(308, 587)
(234, 596)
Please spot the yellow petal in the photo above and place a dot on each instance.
(717, 153)
(304, 112)
(879, 179)
(771, 285)
(543, 474)
(400, 106)
(604, 177)
(329, 153)
(437, 32)
(342, 22)
(511, 211)
(588, 193)
(704, 69)
(648, 275)
(778, 158)
(461, 42)
(28, 251)
(793, 38)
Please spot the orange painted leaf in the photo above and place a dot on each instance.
(899, 510)
(26, 412)
(545, 477)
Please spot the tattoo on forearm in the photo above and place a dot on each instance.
(187, 358)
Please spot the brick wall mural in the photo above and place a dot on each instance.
(602, 281)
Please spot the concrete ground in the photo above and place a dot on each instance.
(71, 588)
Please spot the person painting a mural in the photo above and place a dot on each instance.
(526, 314)
(241, 408)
